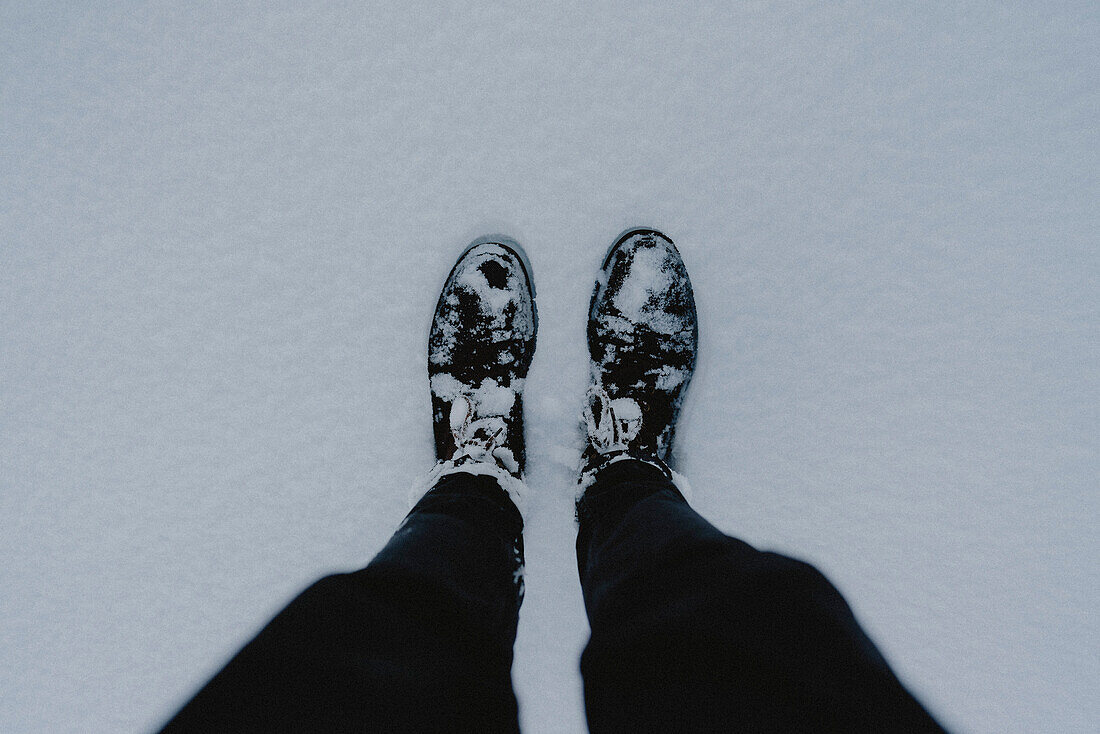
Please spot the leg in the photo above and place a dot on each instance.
(695, 631)
(419, 640)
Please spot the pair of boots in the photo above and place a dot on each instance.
(642, 341)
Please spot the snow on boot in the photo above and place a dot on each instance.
(479, 350)
(642, 340)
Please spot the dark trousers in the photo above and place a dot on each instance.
(691, 630)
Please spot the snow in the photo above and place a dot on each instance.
(493, 301)
(447, 387)
(488, 398)
(668, 377)
(638, 296)
(224, 230)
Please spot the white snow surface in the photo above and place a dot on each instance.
(223, 230)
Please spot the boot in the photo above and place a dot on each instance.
(479, 350)
(643, 337)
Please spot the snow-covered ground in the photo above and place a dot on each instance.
(223, 228)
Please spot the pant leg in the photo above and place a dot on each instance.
(419, 640)
(695, 631)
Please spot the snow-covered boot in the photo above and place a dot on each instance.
(479, 350)
(642, 340)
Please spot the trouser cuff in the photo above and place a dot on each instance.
(620, 485)
(478, 497)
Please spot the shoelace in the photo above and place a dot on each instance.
(612, 424)
(480, 440)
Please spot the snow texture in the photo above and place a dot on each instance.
(223, 230)
(636, 299)
(489, 398)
